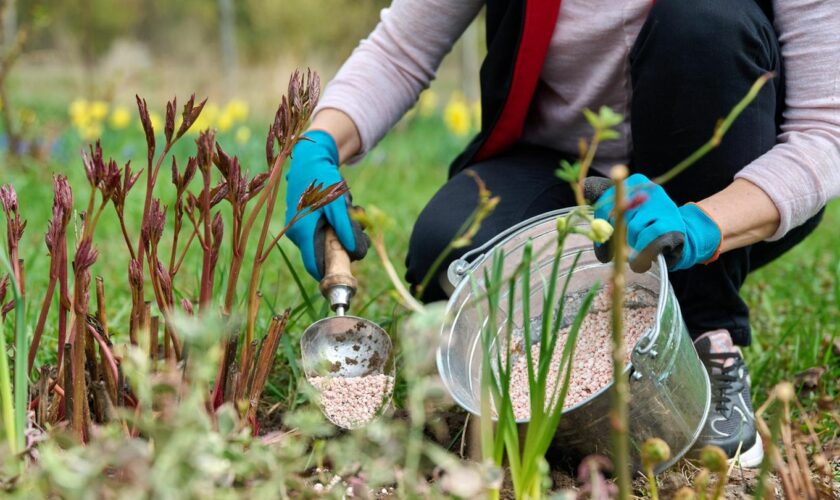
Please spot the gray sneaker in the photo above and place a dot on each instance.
(731, 421)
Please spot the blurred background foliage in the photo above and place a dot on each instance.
(112, 49)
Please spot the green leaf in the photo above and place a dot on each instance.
(609, 118)
(593, 119)
(569, 172)
(609, 135)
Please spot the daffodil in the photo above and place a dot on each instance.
(120, 118)
(91, 131)
(243, 135)
(157, 121)
(456, 116)
(78, 108)
(80, 113)
(428, 103)
(98, 110)
(206, 119)
(237, 109)
(224, 122)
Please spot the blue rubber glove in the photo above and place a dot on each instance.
(686, 235)
(316, 160)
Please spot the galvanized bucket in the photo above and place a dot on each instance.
(669, 387)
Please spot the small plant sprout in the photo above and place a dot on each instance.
(654, 452)
(701, 483)
(715, 460)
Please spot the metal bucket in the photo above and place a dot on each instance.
(669, 387)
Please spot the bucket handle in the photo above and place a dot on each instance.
(459, 268)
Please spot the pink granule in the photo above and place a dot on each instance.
(592, 364)
(350, 402)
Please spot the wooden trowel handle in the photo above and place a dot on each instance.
(336, 265)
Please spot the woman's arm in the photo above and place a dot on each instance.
(801, 173)
(744, 213)
(342, 129)
(386, 73)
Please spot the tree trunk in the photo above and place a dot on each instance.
(227, 39)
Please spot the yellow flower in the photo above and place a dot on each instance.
(79, 114)
(243, 135)
(237, 109)
(562, 224)
(601, 230)
(157, 121)
(91, 131)
(224, 122)
(206, 119)
(456, 116)
(120, 118)
(98, 110)
(428, 103)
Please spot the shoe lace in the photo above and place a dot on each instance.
(722, 378)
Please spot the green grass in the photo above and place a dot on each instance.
(796, 301)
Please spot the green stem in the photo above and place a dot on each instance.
(618, 412)
(6, 395)
(720, 131)
(654, 490)
(14, 414)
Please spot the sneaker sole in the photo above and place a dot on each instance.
(751, 458)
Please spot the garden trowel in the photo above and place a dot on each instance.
(343, 345)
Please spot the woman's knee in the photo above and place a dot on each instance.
(437, 225)
(702, 35)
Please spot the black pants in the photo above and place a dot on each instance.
(691, 63)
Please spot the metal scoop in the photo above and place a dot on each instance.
(342, 345)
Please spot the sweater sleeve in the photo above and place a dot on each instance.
(384, 76)
(802, 172)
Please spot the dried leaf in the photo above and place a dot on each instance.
(164, 279)
(206, 146)
(61, 212)
(257, 184)
(135, 274)
(189, 115)
(187, 306)
(270, 156)
(85, 256)
(169, 127)
(219, 193)
(222, 161)
(94, 164)
(148, 129)
(8, 198)
(152, 229)
(316, 196)
(809, 379)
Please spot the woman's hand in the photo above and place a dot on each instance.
(315, 159)
(655, 222)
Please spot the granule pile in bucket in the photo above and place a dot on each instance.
(592, 367)
(353, 401)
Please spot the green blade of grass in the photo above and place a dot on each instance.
(15, 414)
(310, 307)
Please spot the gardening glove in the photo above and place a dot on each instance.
(685, 236)
(315, 159)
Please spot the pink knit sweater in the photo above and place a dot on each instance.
(387, 72)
